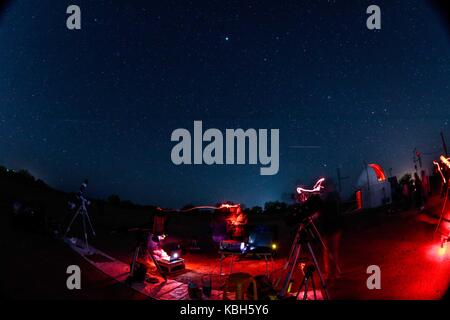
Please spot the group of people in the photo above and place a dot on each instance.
(416, 191)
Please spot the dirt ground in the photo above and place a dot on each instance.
(401, 244)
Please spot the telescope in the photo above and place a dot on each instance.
(301, 212)
(81, 211)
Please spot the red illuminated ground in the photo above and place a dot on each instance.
(402, 244)
(412, 264)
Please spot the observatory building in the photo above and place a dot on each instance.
(374, 190)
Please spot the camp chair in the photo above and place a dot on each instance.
(240, 282)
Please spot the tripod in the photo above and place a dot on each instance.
(439, 228)
(82, 210)
(306, 232)
(308, 277)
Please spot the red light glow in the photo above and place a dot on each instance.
(445, 161)
(378, 171)
(440, 171)
(225, 205)
(438, 253)
(317, 187)
(442, 251)
(359, 199)
(222, 206)
(305, 193)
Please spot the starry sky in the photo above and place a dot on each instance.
(102, 102)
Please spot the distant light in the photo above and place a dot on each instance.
(242, 246)
(445, 161)
(438, 251)
(442, 250)
(274, 246)
(227, 38)
(175, 255)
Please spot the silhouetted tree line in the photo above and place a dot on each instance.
(270, 207)
(22, 176)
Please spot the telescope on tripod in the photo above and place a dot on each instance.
(306, 234)
(81, 210)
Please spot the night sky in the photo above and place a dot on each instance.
(102, 102)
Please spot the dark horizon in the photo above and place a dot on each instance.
(102, 102)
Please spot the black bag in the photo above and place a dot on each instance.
(139, 273)
(263, 287)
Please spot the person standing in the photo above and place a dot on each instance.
(418, 192)
(218, 227)
(425, 186)
(330, 224)
(406, 195)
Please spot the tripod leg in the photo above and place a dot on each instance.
(221, 260)
(71, 222)
(133, 263)
(300, 287)
(89, 222)
(284, 289)
(294, 246)
(317, 234)
(322, 282)
(292, 252)
(313, 286)
(85, 231)
(305, 294)
(443, 210)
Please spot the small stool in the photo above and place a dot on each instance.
(267, 257)
(267, 254)
(240, 282)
